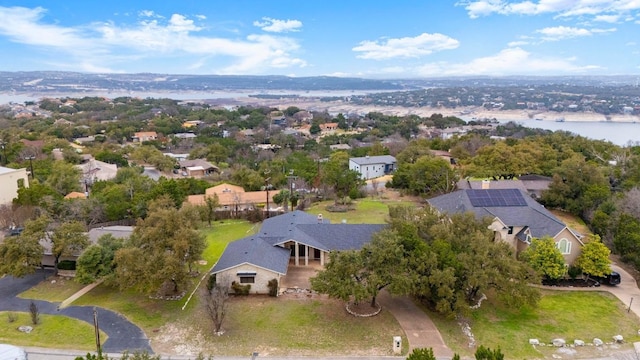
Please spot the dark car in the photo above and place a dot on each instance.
(611, 279)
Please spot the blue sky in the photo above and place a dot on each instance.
(371, 39)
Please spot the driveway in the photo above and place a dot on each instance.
(122, 334)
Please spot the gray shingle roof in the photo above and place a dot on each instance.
(372, 160)
(263, 248)
(254, 250)
(540, 221)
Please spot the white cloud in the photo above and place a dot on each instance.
(564, 32)
(607, 18)
(517, 43)
(406, 47)
(104, 46)
(278, 26)
(562, 8)
(511, 61)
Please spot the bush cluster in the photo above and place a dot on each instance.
(273, 287)
(240, 289)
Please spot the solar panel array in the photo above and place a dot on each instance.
(496, 197)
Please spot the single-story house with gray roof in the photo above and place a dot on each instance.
(295, 238)
(371, 167)
(516, 218)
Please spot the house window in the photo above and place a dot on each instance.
(247, 279)
(510, 230)
(565, 246)
(20, 183)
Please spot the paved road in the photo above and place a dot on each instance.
(122, 334)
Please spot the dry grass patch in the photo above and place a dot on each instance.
(284, 326)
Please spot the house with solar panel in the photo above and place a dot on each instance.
(516, 218)
(371, 167)
(292, 239)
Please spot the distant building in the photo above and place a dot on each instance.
(371, 167)
(143, 136)
(11, 180)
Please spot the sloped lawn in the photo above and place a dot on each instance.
(568, 315)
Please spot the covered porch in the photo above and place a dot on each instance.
(298, 276)
(305, 255)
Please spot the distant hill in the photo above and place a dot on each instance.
(56, 82)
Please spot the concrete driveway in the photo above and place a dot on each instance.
(122, 334)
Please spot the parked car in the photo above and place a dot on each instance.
(611, 279)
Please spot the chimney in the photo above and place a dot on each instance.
(486, 184)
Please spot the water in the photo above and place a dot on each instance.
(619, 133)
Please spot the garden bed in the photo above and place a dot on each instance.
(571, 283)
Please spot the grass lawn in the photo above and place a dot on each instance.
(53, 331)
(51, 291)
(150, 314)
(568, 315)
(367, 211)
(284, 326)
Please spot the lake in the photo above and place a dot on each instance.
(617, 132)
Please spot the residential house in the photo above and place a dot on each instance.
(96, 170)
(371, 167)
(11, 180)
(234, 198)
(197, 168)
(344, 147)
(143, 136)
(328, 128)
(534, 185)
(291, 239)
(516, 217)
(118, 232)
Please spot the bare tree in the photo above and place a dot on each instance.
(216, 303)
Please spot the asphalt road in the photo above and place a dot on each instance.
(122, 334)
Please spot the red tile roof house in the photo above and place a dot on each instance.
(292, 239)
(143, 136)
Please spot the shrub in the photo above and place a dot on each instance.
(67, 265)
(421, 354)
(574, 272)
(240, 289)
(211, 282)
(12, 317)
(35, 313)
(273, 287)
(484, 353)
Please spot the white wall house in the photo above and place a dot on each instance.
(371, 167)
(10, 181)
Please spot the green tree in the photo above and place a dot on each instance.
(428, 175)
(161, 250)
(336, 174)
(20, 255)
(64, 178)
(68, 239)
(626, 240)
(359, 275)
(594, 258)
(545, 258)
(97, 260)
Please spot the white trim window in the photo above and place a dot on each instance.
(564, 246)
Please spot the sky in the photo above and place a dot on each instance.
(382, 39)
